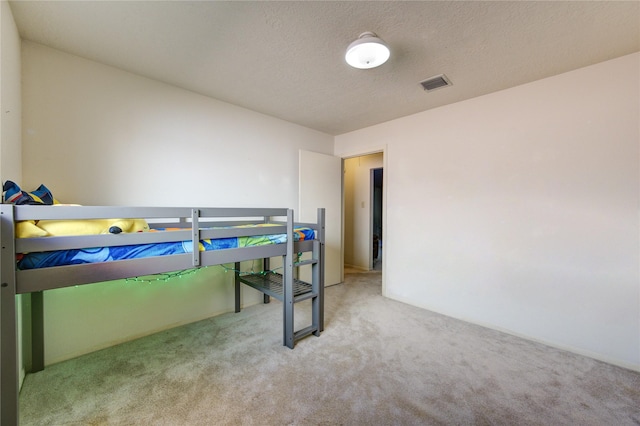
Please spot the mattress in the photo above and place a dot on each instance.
(137, 251)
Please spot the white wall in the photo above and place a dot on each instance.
(10, 99)
(96, 135)
(10, 131)
(519, 210)
(357, 209)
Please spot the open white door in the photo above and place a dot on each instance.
(320, 185)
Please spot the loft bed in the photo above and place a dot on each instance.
(223, 235)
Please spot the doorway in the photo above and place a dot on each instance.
(363, 207)
(376, 218)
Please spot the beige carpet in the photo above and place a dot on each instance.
(377, 362)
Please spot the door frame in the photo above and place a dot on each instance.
(385, 177)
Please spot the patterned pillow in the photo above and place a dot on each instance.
(14, 195)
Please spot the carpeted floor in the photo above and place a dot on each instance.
(377, 362)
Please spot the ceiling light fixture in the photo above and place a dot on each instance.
(367, 51)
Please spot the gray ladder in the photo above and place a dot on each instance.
(274, 285)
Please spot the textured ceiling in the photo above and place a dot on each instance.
(286, 59)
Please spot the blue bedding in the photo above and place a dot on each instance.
(107, 254)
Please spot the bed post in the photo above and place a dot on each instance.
(320, 266)
(8, 326)
(287, 287)
(236, 278)
(195, 237)
(37, 331)
(266, 266)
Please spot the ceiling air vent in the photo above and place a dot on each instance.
(436, 82)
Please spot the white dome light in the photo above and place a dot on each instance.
(368, 51)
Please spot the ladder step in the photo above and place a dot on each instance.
(305, 296)
(304, 332)
(306, 262)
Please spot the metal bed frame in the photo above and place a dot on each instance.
(198, 224)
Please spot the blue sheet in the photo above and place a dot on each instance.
(107, 254)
